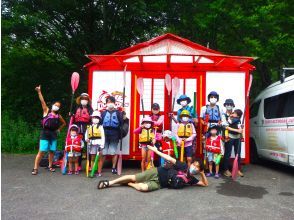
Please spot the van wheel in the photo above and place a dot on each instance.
(254, 158)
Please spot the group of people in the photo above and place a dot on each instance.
(101, 131)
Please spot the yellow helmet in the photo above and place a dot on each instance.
(185, 113)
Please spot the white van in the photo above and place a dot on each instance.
(272, 123)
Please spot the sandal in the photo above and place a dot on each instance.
(103, 184)
(51, 169)
(34, 171)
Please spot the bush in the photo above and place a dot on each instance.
(18, 136)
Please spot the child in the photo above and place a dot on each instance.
(214, 147)
(166, 143)
(96, 139)
(186, 133)
(235, 132)
(73, 149)
(184, 101)
(146, 137)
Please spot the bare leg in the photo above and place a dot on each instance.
(123, 179)
(76, 161)
(38, 159)
(102, 159)
(148, 156)
(143, 161)
(210, 167)
(114, 160)
(142, 187)
(92, 159)
(70, 164)
(50, 158)
(216, 169)
(100, 164)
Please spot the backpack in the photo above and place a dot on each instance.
(50, 121)
(125, 127)
(177, 179)
(58, 155)
(212, 113)
(110, 119)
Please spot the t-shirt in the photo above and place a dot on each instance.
(164, 174)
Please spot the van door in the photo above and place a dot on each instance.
(289, 112)
(255, 122)
(273, 130)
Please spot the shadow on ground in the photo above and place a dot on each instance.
(236, 189)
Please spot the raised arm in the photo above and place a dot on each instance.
(43, 103)
(164, 156)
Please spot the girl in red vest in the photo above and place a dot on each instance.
(214, 148)
(74, 148)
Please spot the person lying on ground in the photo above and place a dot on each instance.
(174, 174)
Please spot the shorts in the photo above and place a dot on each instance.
(74, 154)
(149, 177)
(94, 148)
(143, 147)
(188, 151)
(48, 145)
(110, 147)
(211, 156)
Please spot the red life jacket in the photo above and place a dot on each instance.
(154, 119)
(167, 147)
(73, 144)
(82, 115)
(214, 146)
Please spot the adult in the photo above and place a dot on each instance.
(174, 174)
(82, 117)
(52, 124)
(211, 111)
(112, 121)
(184, 101)
(229, 105)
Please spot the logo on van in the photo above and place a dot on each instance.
(101, 103)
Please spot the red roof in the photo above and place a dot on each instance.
(171, 49)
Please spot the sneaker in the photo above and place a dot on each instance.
(217, 176)
(98, 174)
(114, 171)
(227, 173)
(79, 168)
(209, 174)
(69, 173)
(77, 172)
(240, 174)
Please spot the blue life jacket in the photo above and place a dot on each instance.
(111, 120)
(214, 113)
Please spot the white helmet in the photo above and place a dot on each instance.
(167, 133)
(96, 114)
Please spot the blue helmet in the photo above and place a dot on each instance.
(229, 102)
(182, 98)
(213, 93)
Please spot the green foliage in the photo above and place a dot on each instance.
(18, 136)
(43, 42)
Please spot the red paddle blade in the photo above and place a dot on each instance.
(140, 86)
(119, 164)
(235, 168)
(75, 79)
(175, 86)
(168, 83)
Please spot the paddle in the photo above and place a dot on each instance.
(168, 85)
(140, 89)
(235, 164)
(119, 162)
(95, 166)
(75, 79)
(175, 89)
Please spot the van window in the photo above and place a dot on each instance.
(254, 109)
(279, 106)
